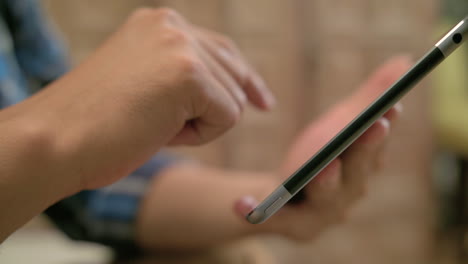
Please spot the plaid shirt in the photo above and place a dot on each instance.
(30, 57)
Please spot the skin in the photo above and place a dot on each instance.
(156, 81)
(193, 207)
(161, 81)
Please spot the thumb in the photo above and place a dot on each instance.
(245, 205)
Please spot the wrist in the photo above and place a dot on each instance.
(39, 157)
(31, 176)
(103, 137)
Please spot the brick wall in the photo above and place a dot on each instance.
(301, 47)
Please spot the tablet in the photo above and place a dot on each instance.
(291, 187)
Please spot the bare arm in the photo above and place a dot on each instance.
(156, 81)
(28, 182)
(191, 207)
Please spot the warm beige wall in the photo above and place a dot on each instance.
(311, 53)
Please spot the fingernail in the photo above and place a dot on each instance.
(250, 201)
(398, 107)
(385, 122)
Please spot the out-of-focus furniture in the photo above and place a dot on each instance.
(51, 247)
(39, 243)
(450, 112)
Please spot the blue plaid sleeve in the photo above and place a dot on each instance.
(31, 54)
(107, 215)
(39, 51)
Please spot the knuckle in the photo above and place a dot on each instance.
(233, 115)
(246, 77)
(151, 15)
(226, 42)
(188, 63)
(174, 36)
(166, 13)
(142, 13)
(243, 100)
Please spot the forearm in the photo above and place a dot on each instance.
(31, 176)
(52, 147)
(190, 207)
(152, 83)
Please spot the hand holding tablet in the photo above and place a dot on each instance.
(289, 188)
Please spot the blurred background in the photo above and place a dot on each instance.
(312, 53)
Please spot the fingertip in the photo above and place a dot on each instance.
(398, 107)
(381, 129)
(385, 123)
(394, 113)
(376, 132)
(245, 205)
(241, 97)
(259, 94)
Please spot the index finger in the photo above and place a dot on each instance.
(229, 56)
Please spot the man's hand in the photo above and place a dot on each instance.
(331, 194)
(158, 80)
(203, 70)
